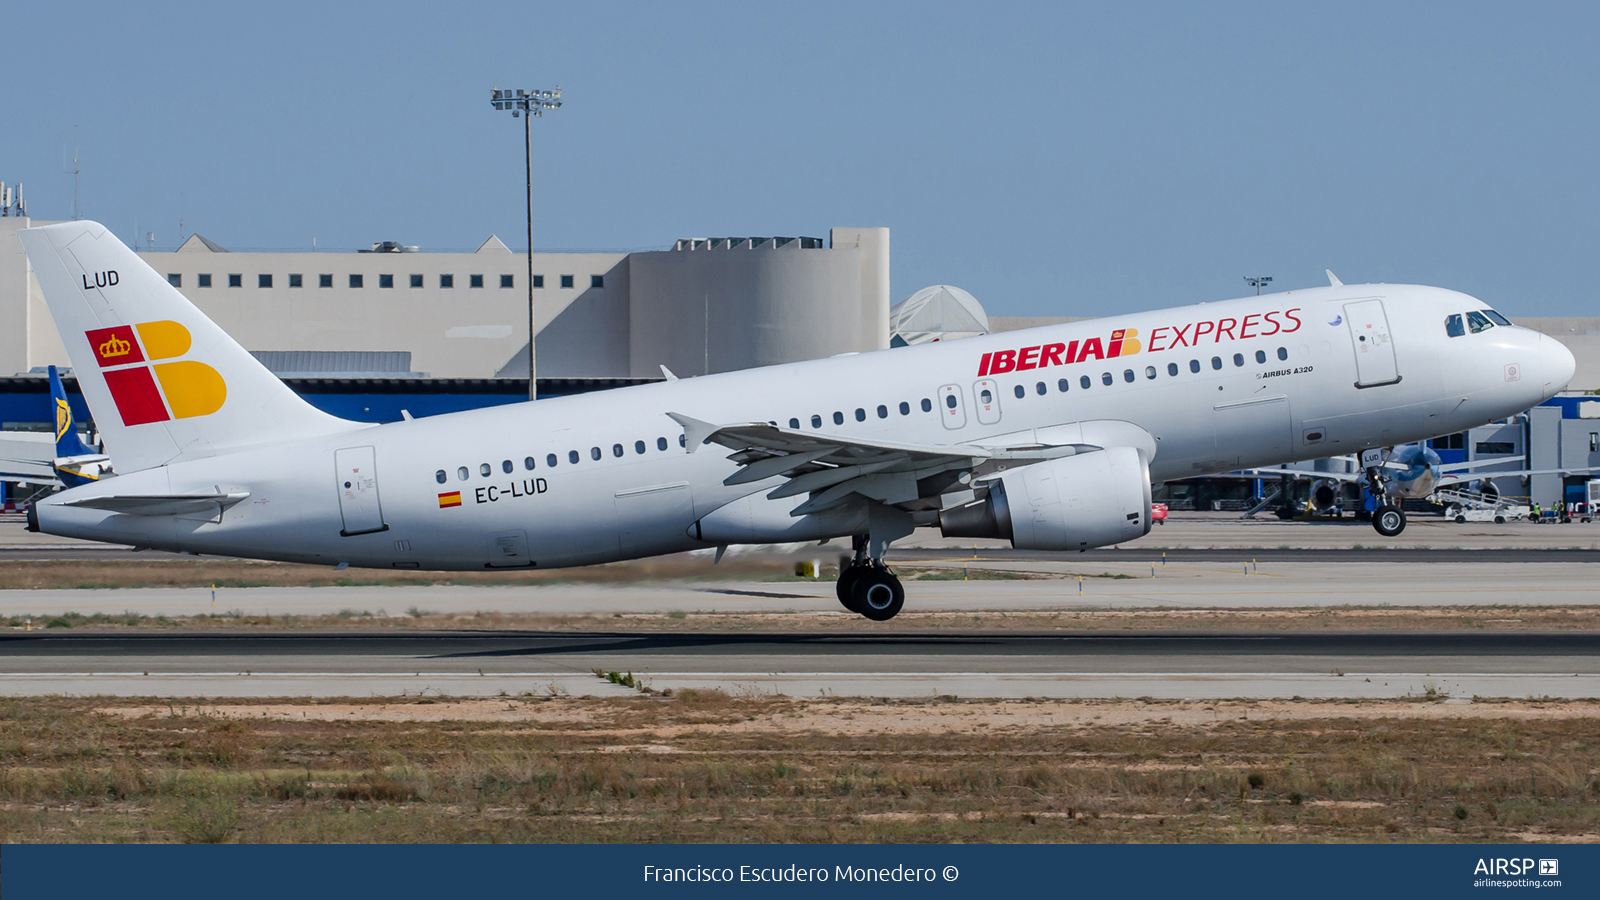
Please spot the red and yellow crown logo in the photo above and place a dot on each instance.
(187, 388)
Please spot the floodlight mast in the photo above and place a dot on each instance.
(534, 103)
(1258, 282)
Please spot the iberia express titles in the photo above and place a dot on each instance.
(1125, 342)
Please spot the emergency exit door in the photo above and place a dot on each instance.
(357, 481)
(1369, 334)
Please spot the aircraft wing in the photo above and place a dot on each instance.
(831, 467)
(1352, 477)
(1449, 479)
(161, 504)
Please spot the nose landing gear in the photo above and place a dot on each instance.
(867, 587)
(1388, 519)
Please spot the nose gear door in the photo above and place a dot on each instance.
(1369, 334)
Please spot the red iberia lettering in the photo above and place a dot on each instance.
(1178, 339)
(1245, 326)
(1004, 361)
(1028, 359)
(1091, 347)
(983, 365)
(1202, 329)
(1276, 325)
(1155, 335)
(1225, 327)
(1290, 314)
(1051, 355)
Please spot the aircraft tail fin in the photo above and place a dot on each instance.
(67, 441)
(164, 382)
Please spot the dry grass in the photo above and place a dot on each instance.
(705, 766)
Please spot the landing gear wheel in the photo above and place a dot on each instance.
(846, 586)
(877, 594)
(1389, 521)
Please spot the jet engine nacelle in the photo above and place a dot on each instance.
(1075, 503)
(1324, 495)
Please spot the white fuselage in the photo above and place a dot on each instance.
(1301, 402)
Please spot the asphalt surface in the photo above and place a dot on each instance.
(1311, 665)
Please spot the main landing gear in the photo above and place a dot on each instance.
(1388, 519)
(867, 587)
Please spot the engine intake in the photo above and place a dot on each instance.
(1075, 503)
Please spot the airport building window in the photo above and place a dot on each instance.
(386, 281)
(616, 450)
(861, 414)
(527, 463)
(1150, 372)
(263, 281)
(1084, 382)
(1106, 379)
(838, 417)
(550, 460)
(235, 281)
(566, 281)
(204, 279)
(447, 281)
(462, 473)
(572, 457)
(1062, 385)
(296, 280)
(816, 421)
(638, 446)
(883, 411)
(1457, 441)
(1020, 391)
(1495, 448)
(507, 467)
(174, 279)
(357, 281)
(905, 408)
(475, 281)
(1594, 442)
(597, 281)
(1283, 352)
(661, 443)
(927, 405)
(1194, 365)
(1216, 362)
(1238, 359)
(325, 281)
(507, 281)
(439, 476)
(484, 469)
(1261, 356)
(594, 453)
(1127, 375)
(416, 281)
(538, 281)
(1172, 369)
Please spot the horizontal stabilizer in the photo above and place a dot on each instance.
(162, 504)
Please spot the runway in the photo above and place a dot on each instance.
(1313, 666)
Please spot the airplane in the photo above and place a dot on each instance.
(1049, 437)
(72, 464)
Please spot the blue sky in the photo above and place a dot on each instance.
(1054, 159)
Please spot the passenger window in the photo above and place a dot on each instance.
(1261, 356)
(1238, 359)
(838, 417)
(1127, 375)
(1084, 382)
(572, 457)
(683, 440)
(638, 446)
(1019, 390)
(616, 450)
(1106, 379)
(794, 424)
(986, 396)
(1216, 362)
(550, 460)
(883, 411)
(1496, 317)
(905, 408)
(1040, 389)
(507, 467)
(1150, 372)
(528, 464)
(950, 400)
(861, 414)
(1283, 352)
(1172, 369)
(594, 453)
(927, 405)
(661, 443)
(816, 421)
(1194, 365)
(484, 470)
(1062, 385)
(462, 473)
(439, 476)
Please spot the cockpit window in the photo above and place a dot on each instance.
(1453, 326)
(1496, 317)
(1477, 321)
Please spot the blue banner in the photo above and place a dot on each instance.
(29, 872)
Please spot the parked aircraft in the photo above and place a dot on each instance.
(72, 464)
(1050, 437)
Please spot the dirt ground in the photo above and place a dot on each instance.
(707, 766)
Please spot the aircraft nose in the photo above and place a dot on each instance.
(1557, 362)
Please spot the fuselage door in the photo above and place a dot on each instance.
(508, 548)
(357, 480)
(986, 399)
(951, 410)
(1369, 334)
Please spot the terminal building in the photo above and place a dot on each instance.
(366, 335)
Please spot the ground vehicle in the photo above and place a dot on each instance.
(1158, 513)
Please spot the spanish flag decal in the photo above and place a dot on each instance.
(188, 388)
(451, 499)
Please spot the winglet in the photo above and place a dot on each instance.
(668, 372)
(695, 431)
(1333, 280)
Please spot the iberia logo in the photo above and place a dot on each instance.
(451, 499)
(186, 388)
(1124, 342)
